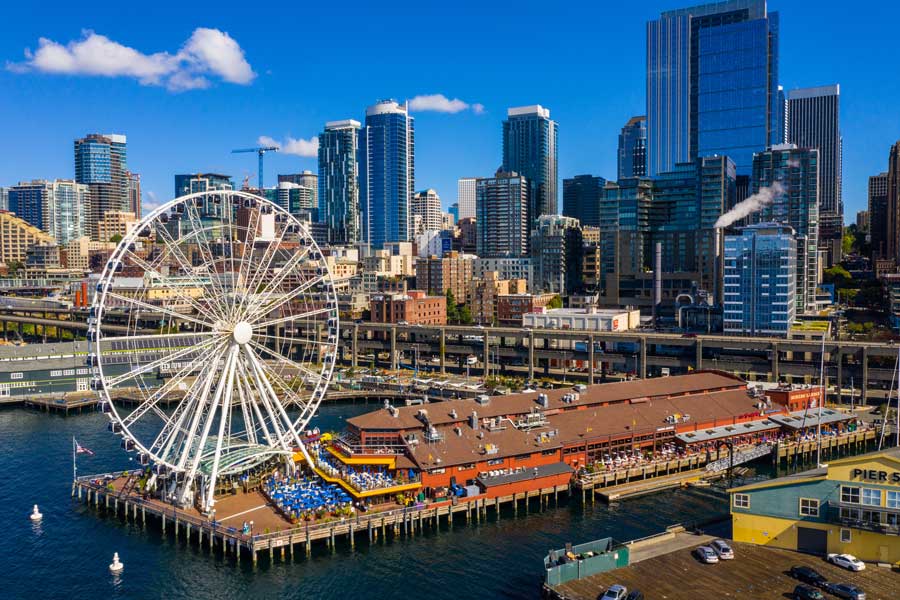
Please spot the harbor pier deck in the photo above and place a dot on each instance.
(756, 572)
(661, 475)
(273, 534)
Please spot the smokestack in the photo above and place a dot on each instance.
(657, 282)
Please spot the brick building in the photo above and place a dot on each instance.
(413, 307)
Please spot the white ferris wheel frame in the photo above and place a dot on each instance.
(232, 343)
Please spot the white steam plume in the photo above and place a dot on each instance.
(757, 201)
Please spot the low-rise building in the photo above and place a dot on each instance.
(115, 223)
(413, 307)
(77, 253)
(507, 268)
(511, 308)
(17, 236)
(851, 505)
(484, 291)
(588, 319)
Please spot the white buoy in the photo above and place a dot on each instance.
(35, 514)
(116, 566)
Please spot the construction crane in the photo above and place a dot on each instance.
(260, 150)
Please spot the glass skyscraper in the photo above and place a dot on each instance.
(712, 84)
(581, 198)
(386, 173)
(58, 207)
(529, 149)
(632, 154)
(501, 219)
(760, 280)
(101, 163)
(791, 176)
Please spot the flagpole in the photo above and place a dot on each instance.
(74, 465)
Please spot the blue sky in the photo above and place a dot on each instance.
(307, 63)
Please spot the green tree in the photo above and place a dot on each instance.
(452, 309)
(115, 239)
(555, 302)
(847, 243)
(838, 275)
(465, 315)
(15, 266)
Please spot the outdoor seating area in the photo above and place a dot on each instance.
(304, 498)
(363, 478)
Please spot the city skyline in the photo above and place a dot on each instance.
(194, 130)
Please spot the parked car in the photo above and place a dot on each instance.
(808, 575)
(845, 590)
(722, 550)
(635, 595)
(846, 561)
(705, 554)
(615, 592)
(807, 592)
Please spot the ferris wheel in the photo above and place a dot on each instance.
(212, 339)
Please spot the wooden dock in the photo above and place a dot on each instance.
(114, 495)
(663, 475)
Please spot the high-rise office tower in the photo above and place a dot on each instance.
(426, 206)
(294, 198)
(791, 176)
(556, 251)
(878, 214)
(101, 163)
(712, 84)
(632, 155)
(760, 280)
(501, 220)
(134, 194)
(57, 207)
(581, 198)
(339, 178)
(893, 203)
(862, 221)
(4, 198)
(465, 197)
(814, 122)
(529, 149)
(192, 183)
(386, 173)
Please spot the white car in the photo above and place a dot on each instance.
(705, 554)
(847, 561)
(722, 550)
(615, 592)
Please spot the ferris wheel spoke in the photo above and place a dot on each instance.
(277, 280)
(175, 252)
(246, 412)
(159, 309)
(168, 386)
(248, 248)
(298, 317)
(158, 362)
(148, 268)
(263, 310)
(206, 252)
(224, 415)
(264, 399)
(276, 404)
(245, 379)
(262, 272)
(313, 376)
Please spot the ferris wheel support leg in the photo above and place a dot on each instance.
(224, 417)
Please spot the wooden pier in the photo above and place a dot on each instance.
(114, 494)
(662, 475)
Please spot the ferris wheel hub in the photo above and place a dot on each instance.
(243, 332)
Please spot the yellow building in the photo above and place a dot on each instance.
(482, 293)
(17, 236)
(850, 506)
(115, 223)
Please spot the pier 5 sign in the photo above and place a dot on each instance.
(876, 476)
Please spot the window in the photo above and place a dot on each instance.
(871, 497)
(845, 536)
(851, 514)
(893, 500)
(849, 495)
(741, 501)
(16, 375)
(56, 373)
(809, 507)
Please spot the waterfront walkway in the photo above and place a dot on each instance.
(756, 572)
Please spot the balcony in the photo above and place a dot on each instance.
(887, 523)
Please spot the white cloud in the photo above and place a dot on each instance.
(299, 147)
(150, 202)
(440, 103)
(208, 52)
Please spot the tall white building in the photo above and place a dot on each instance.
(426, 205)
(465, 197)
(58, 207)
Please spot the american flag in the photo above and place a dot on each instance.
(79, 449)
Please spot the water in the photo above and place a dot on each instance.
(68, 553)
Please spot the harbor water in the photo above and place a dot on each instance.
(67, 554)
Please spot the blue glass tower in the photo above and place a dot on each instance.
(529, 149)
(339, 180)
(712, 84)
(760, 280)
(632, 154)
(101, 163)
(386, 173)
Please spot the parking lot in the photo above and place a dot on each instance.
(756, 572)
